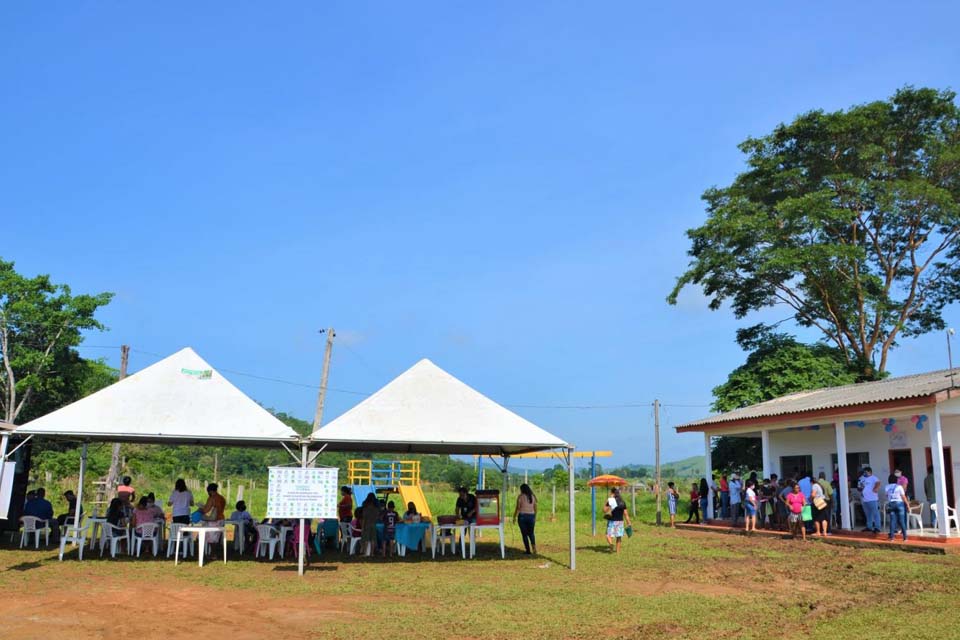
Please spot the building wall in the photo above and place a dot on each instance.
(874, 440)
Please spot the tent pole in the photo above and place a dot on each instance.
(83, 470)
(573, 532)
(503, 497)
(301, 543)
(4, 443)
(593, 494)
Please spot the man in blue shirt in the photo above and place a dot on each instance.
(39, 507)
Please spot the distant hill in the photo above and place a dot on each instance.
(691, 467)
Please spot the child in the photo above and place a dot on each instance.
(390, 518)
(672, 497)
(750, 506)
(694, 504)
(242, 515)
(411, 514)
(356, 525)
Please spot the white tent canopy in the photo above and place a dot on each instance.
(427, 410)
(179, 400)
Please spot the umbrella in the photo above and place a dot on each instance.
(607, 481)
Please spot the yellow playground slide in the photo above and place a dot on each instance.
(414, 494)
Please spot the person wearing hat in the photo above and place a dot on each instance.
(71, 499)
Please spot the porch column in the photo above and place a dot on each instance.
(708, 474)
(843, 489)
(939, 471)
(765, 453)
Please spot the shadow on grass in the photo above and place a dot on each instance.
(24, 566)
(596, 548)
(287, 568)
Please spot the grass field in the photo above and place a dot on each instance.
(677, 584)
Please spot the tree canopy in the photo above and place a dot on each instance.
(851, 219)
(40, 324)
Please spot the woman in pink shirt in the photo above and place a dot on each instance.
(795, 503)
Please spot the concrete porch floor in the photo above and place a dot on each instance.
(917, 543)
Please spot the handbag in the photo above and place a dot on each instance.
(806, 513)
(629, 530)
(819, 503)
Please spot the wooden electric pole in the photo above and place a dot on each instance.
(114, 472)
(318, 417)
(656, 447)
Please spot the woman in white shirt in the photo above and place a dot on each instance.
(181, 500)
(896, 507)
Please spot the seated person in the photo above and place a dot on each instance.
(411, 513)
(40, 507)
(241, 513)
(156, 509)
(115, 513)
(142, 514)
(216, 505)
(125, 491)
(71, 499)
(356, 525)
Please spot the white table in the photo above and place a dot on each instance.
(201, 540)
(96, 531)
(479, 527)
(455, 528)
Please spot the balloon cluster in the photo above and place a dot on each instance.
(918, 421)
(889, 425)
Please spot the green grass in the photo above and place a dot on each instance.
(665, 583)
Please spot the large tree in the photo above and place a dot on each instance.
(851, 219)
(40, 324)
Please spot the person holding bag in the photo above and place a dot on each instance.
(821, 509)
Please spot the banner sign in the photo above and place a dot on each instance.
(294, 492)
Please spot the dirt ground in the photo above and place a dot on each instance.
(166, 609)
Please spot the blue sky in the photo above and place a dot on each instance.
(500, 188)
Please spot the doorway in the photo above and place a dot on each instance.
(903, 459)
(948, 467)
(796, 467)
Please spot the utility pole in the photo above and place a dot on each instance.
(114, 472)
(318, 417)
(656, 446)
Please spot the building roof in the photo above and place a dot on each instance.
(179, 400)
(921, 386)
(427, 410)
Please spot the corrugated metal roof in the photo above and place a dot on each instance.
(915, 386)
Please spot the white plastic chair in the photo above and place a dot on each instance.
(267, 537)
(147, 532)
(951, 517)
(77, 535)
(915, 516)
(36, 526)
(344, 536)
(186, 543)
(113, 536)
(445, 535)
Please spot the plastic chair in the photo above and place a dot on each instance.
(149, 532)
(113, 536)
(267, 537)
(344, 536)
(445, 535)
(72, 534)
(36, 526)
(951, 517)
(186, 543)
(915, 515)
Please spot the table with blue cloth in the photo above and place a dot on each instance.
(411, 535)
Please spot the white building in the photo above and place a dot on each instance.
(908, 423)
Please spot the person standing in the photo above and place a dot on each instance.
(618, 515)
(369, 516)
(828, 494)
(750, 507)
(896, 507)
(525, 514)
(673, 497)
(704, 497)
(180, 500)
(795, 502)
(467, 506)
(733, 489)
(694, 509)
(821, 510)
(724, 497)
(930, 493)
(345, 506)
(869, 499)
